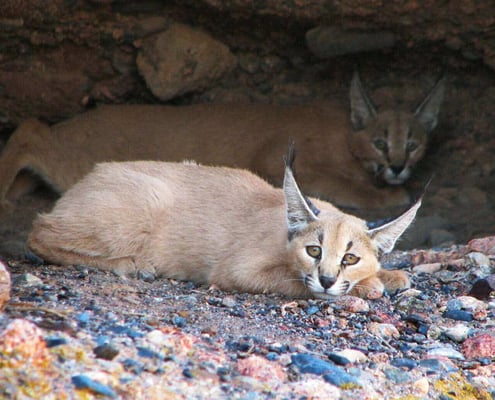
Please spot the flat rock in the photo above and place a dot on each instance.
(482, 345)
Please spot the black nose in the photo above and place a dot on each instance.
(326, 281)
(397, 169)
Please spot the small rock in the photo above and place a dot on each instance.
(54, 341)
(421, 387)
(309, 364)
(483, 288)
(397, 375)
(458, 315)
(478, 259)
(435, 365)
(439, 352)
(27, 280)
(457, 333)
(354, 356)
(404, 363)
(179, 321)
(482, 345)
(353, 304)
(483, 245)
(85, 382)
(384, 331)
(229, 301)
(471, 304)
(259, 368)
(106, 351)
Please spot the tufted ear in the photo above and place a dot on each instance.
(362, 108)
(300, 210)
(386, 235)
(427, 112)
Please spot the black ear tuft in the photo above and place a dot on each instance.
(290, 157)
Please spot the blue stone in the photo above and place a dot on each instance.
(458, 315)
(83, 319)
(85, 382)
(309, 364)
(53, 341)
(272, 356)
(312, 310)
(148, 353)
(179, 321)
(338, 359)
(397, 375)
(404, 363)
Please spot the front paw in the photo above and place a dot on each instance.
(369, 288)
(394, 280)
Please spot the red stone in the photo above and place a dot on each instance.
(479, 346)
(484, 245)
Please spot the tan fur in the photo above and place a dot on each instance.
(253, 137)
(214, 225)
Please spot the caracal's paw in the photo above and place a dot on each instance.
(394, 280)
(369, 288)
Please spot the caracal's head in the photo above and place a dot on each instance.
(333, 251)
(390, 143)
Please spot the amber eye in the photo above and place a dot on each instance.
(411, 146)
(349, 259)
(380, 144)
(314, 251)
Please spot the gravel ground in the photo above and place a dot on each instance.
(79, 333)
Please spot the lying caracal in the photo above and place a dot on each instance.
(219, 226)
(388, 144)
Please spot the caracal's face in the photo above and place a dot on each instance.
(333, 254)
(390, 146)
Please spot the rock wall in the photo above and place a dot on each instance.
(60, 57)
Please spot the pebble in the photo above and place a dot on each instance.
(445, 351)
(27, 280)
(434, 365)
(179, 321)
(54, 341)
(384, 331)
(482, 345)
(457, 333)
(458, 315)
(483, 245)
(229, 301)
(85, 382)
(106, 351)
(397, 375)
(353, 304)
(309, 364)
(471, 304)
(354, 356)
(404, 363)
(259, 368)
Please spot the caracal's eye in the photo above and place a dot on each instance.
(380, 144)
(314, 251)
(411, 146)
(350, 259)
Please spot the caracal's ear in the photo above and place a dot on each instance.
(362, 108)
(427, 112)
(300, 211)
(385, 236)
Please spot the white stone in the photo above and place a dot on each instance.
(354, 356)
